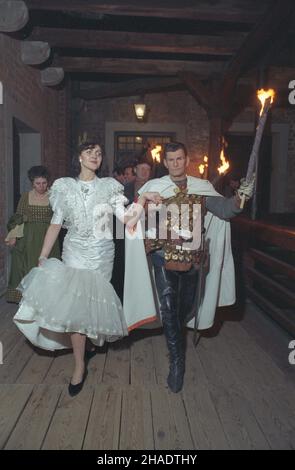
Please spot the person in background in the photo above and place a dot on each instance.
(118, 174)
(143, 171)
(129, 173)
(27, 229)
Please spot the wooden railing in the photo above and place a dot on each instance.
(266, 254)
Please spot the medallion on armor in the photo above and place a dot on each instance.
(179, 230)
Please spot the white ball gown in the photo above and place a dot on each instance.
(75, 294)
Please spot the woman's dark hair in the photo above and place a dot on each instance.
(76, 166)
(173, 147)
(38, 171)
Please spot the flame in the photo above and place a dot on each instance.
(156, 153)
(263, 95)
(201, 169)
(225, 164)
(203, 165)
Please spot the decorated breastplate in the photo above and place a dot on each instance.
(179, 230)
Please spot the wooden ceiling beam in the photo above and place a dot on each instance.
(34, 52)
(256, 43)
(197, 89)
(14, 15)
(129, 88)
(137, 66)
(52, 76)
(147, 42)
(234, 11)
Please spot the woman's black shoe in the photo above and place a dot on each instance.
(75, 389)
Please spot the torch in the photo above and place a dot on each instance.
(203, 167)
(222, 169)
(156, 153)
(156, 156)
(266, 98)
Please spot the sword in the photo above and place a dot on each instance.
(200, 290)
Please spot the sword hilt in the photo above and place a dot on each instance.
(242, 203)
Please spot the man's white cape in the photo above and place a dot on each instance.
(140, 301)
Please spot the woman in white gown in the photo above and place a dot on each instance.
(65, 302)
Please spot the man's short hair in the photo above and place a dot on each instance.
(129, 165)
(118, 170)
(173, 147)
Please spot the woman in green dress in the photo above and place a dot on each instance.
(27, 228)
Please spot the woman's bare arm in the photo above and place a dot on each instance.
(49, 240)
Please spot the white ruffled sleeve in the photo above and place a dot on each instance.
(57, 199)
(117, 200)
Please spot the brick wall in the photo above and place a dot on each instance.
(172, 108)
(41, 108)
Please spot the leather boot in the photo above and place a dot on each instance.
(167, 286)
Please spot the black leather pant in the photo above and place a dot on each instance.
(176, 291)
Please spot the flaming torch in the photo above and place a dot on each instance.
(203, 166)
(222, 169)
(266, 98)
(156, 153)
(202, 170)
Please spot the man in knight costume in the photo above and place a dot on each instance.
(192, 262)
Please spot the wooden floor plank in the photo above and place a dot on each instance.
(37, 368)
(13, 399)
(9, 333)
(68, 425)
(96, 367)
(103, 428)
(206, 427)
(136, 422)
(10, 336)
(35, 419)
(232, 404)
(16, 361)
(267, 370)
(238, 392)
(61, 368)
(265, 373)
(270, 336)
(270, 398)
(171, 428)
(183, 438)
(161, 359)
(142, 361)
(117, 366)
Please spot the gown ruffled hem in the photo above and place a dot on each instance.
(58, 300)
